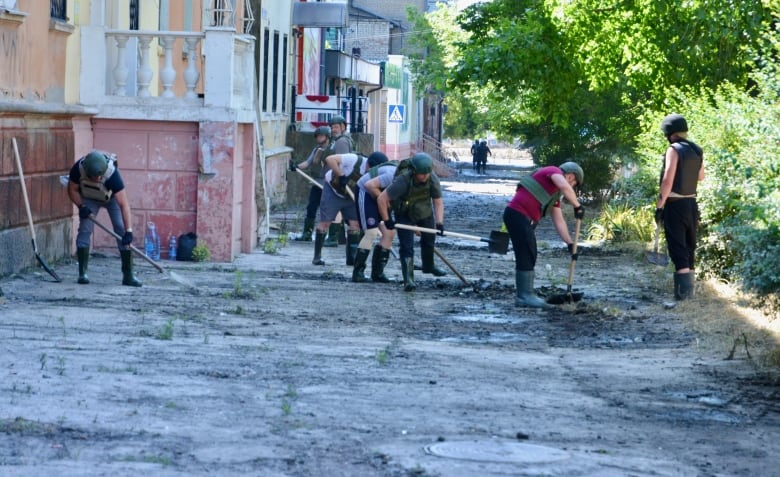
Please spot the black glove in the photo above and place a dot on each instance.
(343, 181)
(579, 212)
(293, 166)
(659, 215)
(574, 256)
(127, 239)
(84, 212)
(389, 224)
(440, 228)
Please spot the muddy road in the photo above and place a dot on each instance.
(270, 366)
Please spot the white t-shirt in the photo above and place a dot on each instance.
(348, 162)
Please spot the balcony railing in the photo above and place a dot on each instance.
(188, 44)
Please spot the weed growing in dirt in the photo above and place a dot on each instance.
(239, 291)
(382, 356)
(289, 396)
(42, 359)
(201, 253)
(60, 368)
(166, 331)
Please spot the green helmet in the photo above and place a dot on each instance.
(573, 168)
(324, 130)
(422, 163)
(95, 164)
(336, 119)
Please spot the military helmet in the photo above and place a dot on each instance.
(95, 164)
(376, 158)
(673, 123)
(324, 130)
(422, 163)
(573, 168)
(337, 119)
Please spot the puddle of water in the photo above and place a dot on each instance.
(496, 451)
(487, 318)
(487, 338)
(700, 415)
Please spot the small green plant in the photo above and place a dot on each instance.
(286, 407)
(166, 331)
(42, 359)
(201, 253)
(382, 356)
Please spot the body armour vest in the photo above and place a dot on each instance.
(96, 190)
(689, 160)
(417, 203)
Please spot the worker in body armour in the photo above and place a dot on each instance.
(95, 182)
(341, 143)
(415, 198)
(536, 195)
(683, 168)
(315, 165)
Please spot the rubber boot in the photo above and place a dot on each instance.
(333, 235)
(82, 254)
(358, 273)
(353, 239)
(407, 269)
(319, 241)
(127, 269)
(308, 229)
(342, 235)
(683, 285)
(427, 263)
(378, 262)
(526, 296)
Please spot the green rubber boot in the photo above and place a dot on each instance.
(308, 230)
(127, 269)
(526, 295)
(359, 272)
(683, 285)
(378, 262)
(407, 269)
(334, 232)
(82, 254)
(426, 254)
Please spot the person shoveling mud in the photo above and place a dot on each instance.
(536, 195)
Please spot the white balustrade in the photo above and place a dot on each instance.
(143, 69)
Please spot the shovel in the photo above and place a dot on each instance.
(569, 297)
(497, 243)
(452, 267)
(655, 257)
(41, 260)
(174, 276)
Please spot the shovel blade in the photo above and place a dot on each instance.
(42, 262)
(657, 258)
(498, 242)
(561, 298)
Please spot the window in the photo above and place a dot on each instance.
(59, 9)
(275, 72)
(284, 74)
(266, 46)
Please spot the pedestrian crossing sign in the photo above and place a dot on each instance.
(395, 113)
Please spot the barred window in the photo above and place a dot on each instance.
(58, 9)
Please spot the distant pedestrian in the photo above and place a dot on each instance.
(482, 152)
(474, 156)
(683, 168)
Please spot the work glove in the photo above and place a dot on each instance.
(343, 181)
(293, 166)
(127, 238)
(579, 212)
(84, 212)
(659, 215)
(440, 228)
(574, 256)
(389, 224)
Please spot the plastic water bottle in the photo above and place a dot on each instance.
(152, 242)
(172, 247)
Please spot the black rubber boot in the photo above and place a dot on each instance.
(358, 273)
(353, 239)
(426, 255)
(82, 254)
(308, 230)
(407, 269)
(526, 295)
(127, 269)
(333, 235)
(319, 241)
(683, 285)
(378, 262)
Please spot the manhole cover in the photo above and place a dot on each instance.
(496, 451)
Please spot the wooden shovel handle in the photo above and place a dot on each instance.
(308, 177)
(434, 231)
(132, 247)
(573, 252)
(24, 193)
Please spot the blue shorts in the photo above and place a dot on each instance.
(368, 210)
